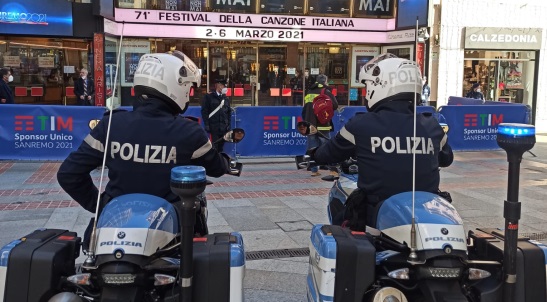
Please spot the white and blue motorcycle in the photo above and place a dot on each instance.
(416, 249)
(143, 250)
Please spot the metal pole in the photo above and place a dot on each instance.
(511, 213)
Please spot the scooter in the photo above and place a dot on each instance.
(145, 250)
(417, 249)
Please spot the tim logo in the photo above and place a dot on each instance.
(42, 122)
(274, 122)
(482, 120)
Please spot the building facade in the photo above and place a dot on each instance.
(44, 46)
(263, 48)
(499, 44)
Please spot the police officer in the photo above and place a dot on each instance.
(146, 143)
(216, 113)
(383, 142)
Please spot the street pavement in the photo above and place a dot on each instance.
(274, 206)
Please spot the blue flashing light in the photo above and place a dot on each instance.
(188, 174)
(516, 130)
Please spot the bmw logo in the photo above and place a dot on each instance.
(121, 235)
(444, 231)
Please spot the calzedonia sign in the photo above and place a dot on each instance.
(502, 38)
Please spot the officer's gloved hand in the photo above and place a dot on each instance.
(311, 153)
(227, 160)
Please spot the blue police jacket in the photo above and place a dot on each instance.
(382, 143)
(144, 145)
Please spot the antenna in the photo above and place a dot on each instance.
(413, 257)
(89, 262)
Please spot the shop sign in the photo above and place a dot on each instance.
(46, 62)
(196, 5)
(248, 6)
(251, 20)
(360, 57)
(98, 68)
(401, 36)
(502, 38)
(12, 61)
(35, 18)
(282, 6)
(331, 7)
(365, 8)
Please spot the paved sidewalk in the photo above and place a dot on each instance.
(274, 206)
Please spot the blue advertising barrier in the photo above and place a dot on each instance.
(270, 131)
(52, 132)
(474, 127)
(44, 132)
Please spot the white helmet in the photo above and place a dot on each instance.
(168, 76)
(388, 77)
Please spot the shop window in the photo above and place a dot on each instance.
(505, 76)
(38, 65)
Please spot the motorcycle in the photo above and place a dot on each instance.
(416, 249)
(146, 249)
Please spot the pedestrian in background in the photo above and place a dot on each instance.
(6, 95)
(84, 89)
(426, 91)
(475, 92)
(216, 113)
(308, 115)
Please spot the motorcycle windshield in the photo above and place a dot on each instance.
(430, 208)
(139, 211)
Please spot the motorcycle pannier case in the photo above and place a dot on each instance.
(342, 264)
(488, 244)
(31, 267)
(219, 268)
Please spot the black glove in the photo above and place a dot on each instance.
(228, 161)
(311, 153)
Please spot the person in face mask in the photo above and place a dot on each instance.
(475, 92)
(216, 113)
(6, 95)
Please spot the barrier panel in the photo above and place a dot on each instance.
(270, 131)
(52, 132)
(474, 127)
(44, 132)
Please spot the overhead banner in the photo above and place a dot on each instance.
(360, 57)
(475, 127)
(44, 132)
(156, 17)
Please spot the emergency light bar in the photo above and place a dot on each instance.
(516, 130)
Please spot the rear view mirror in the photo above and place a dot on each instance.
(234, 136)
